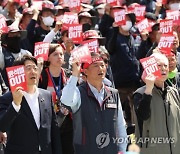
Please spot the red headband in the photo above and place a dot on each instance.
(94, 59)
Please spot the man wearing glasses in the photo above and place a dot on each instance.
(28, 116)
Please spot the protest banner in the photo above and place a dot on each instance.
(119, 16)
(82, 53)
(174, 15)
(92, 44)
(139, 12)
(75, 5)
(112, 2)
(69, 18)
(21, 2)
(150, 67)
(41, 49)
(37, 5)
(165, 43)
(16, 77)
(161, 1)
(143, 25)
(75, 33)
(3, 25)
(166, 26)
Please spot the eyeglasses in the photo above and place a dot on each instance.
(30, 67)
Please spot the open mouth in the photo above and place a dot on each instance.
(33, 78)
(100, 74)
(163, 73)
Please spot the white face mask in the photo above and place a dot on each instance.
(127, 26)
(101, 11)
(175, 6)
(48, 21)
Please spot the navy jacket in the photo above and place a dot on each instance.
(125, 66)
(23, 135)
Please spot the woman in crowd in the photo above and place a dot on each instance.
(53, 79)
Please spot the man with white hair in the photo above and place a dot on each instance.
(158, 113)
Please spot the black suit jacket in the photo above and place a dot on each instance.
(23, 134)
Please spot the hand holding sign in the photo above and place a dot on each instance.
(17, 96)
(17, 82)
(149, 80)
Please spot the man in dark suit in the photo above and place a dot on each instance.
(28, 117)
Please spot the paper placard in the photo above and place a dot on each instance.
(165, 43)
(143, 25)
(75, 5)
(92, 44)
(41, 49)
(3, 25)
(174, 15)
(119, 16)
(166, 26)
(83, 54)
(150, 66)
(16, 77)
(139, 12)
(75, 33)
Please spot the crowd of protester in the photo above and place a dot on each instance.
(81, 107)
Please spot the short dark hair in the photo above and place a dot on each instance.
(53, 47)
(22, 60)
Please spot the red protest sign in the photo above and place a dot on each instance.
(166, 26)
(92, 44)
(83, 54)
(37, 5)
(161, 1)
(3, 25)
(150, 66)
(21, 2)
(75, 5)
(86, 1)
(143, 25)
(70, 18)
(174, 15)
(139, 12)
(59, 18)
(165, 43)
(16, 77)
(75, 33)
(112, 2)
(119, 16)
(100, 2)
(41, 49)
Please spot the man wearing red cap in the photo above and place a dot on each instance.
(97, 112)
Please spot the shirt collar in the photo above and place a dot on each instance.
(35, 94)
(94, 90)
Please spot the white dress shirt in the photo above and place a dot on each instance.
(32, 100)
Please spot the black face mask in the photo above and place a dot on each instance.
(86, 27)
(13, 44)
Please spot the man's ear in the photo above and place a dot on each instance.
(85, 72)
